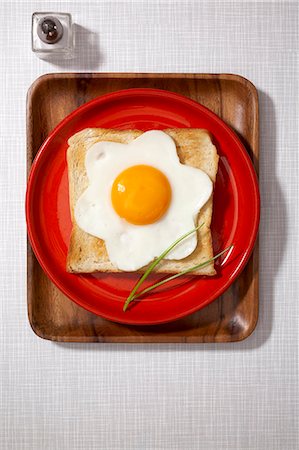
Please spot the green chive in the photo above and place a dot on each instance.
(154, 263)
(177, 275)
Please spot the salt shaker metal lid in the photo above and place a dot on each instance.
(49, 29)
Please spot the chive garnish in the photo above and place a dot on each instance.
(177, 275)
(134, 294)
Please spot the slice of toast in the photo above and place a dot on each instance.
(86, 253)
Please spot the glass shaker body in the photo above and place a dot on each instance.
(52, 35)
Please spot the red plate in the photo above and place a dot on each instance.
(235, 218)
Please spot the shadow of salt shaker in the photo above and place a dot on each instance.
(52, 35)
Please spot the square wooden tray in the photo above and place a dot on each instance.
(233, 316)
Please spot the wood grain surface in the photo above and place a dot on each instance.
(233, 316)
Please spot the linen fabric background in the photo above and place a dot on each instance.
(239, 396)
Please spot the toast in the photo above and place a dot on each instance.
(86, 253)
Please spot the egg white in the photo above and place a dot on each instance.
(129, 246)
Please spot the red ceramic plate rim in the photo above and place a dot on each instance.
(33, 238)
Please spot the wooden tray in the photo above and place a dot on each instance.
(233, 316)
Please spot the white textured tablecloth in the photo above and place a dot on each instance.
(180, 397)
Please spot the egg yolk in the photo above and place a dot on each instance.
(141, 194)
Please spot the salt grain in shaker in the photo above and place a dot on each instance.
(52, 35)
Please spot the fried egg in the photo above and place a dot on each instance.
(140, 199)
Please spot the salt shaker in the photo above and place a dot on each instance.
(52, 35)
